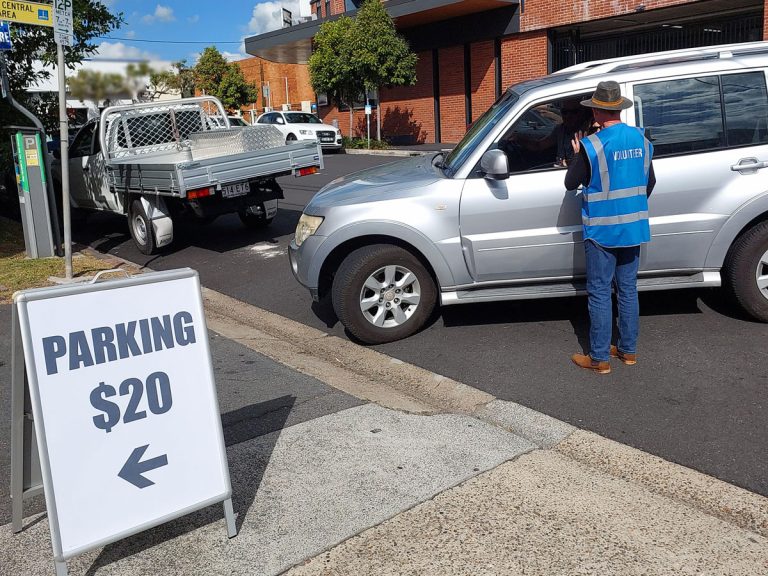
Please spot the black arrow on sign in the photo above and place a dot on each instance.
(133, 469)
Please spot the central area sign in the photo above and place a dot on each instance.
(26, 12)
(124, 405)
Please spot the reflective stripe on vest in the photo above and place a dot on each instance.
(615, 203)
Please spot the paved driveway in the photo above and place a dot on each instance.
(697, 397)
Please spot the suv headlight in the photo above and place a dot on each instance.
(306, 132)
(307, 226)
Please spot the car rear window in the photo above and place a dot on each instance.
(706, 113)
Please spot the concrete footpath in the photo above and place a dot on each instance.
(347, 462)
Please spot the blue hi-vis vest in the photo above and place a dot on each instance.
(615, 204)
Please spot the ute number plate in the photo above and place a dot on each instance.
(232, 190)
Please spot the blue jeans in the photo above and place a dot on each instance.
(607, 267)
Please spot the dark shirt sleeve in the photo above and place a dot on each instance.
(578, 171)
(651, 180)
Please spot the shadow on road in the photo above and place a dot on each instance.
(105, 232)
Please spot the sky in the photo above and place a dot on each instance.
(175, 23)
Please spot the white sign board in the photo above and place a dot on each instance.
(124, 404)
(63, 30)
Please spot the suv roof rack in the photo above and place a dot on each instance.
(597, 67)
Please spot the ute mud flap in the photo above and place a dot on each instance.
(162, 225)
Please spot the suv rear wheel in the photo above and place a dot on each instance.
(746, 272)
(382, 293)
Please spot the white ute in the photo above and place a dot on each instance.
(159, 161)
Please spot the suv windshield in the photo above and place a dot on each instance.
(299, 118)
(479, 130)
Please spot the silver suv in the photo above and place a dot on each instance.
(491, 220)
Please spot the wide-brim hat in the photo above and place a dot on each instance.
(607, 96)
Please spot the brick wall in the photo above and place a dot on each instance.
(483, 77)
(337, 7)
(547, 13)
(765, 20)
(523, 56)
(258, 71)
(408, 112)
(452, 110)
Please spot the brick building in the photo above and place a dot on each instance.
(279, 83)
(470, 50)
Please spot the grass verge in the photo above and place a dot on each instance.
(17, 272)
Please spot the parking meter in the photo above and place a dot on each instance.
(33, 198)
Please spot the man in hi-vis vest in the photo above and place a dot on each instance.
(614, 166)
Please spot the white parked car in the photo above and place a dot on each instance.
(303, 126)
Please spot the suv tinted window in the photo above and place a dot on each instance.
(746, 108)
(682, 115)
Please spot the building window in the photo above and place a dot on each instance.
(327, 8)
(350, 5)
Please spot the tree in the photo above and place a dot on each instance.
(93, 85)
(217, 77)
(99, 87)
(382, 57)
(180, 80)
(354, 56)
(331, 65)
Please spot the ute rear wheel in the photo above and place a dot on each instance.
(382, 293)
(746, 272)
(141, 228)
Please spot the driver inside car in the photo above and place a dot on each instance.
(526, 150)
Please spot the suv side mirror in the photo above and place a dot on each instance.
(494, 165)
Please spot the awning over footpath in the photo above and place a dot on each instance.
(439, 22)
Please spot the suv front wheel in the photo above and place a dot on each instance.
(746, 272)
(382, 293)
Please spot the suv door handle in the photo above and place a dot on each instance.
(749, 166)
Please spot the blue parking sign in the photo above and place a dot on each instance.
(5, 36)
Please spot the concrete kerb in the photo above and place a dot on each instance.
(375, 377)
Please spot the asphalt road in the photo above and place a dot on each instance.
(698, 395)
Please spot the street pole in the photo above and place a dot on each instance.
(64, 136)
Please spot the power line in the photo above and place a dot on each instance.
(171, 41)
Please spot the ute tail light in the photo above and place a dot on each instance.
(199, 193)
(307, 171)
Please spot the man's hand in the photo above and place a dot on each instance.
(576, 142)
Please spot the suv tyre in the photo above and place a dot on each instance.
(382, 293)
(746, 271)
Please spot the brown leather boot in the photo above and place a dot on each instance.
(628, 359)
(585, 361)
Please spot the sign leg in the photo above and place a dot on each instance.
(229, 515)
(61, 568)
(17, 423)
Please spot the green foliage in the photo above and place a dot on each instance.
(355, 56)
(381, 56)
(210, 70)
(93, 85)
(331, 66)
(217, 77)
(362, 143)
(181, 80)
